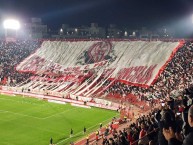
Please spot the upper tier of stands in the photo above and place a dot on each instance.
(45, 70)
(154, 69)
(12, 54)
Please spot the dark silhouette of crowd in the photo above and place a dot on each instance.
(169, 124)
(12, 53)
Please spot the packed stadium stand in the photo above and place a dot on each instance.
(12, 54)
(141, 73)
(101, 66)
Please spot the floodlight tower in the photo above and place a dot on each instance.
(11, 25)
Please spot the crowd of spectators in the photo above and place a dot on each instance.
(12, 53)
(177, 76)
(169, 124)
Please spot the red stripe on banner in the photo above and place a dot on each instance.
(142, 80)
(170, 58)
(159, 72)
(33, 72)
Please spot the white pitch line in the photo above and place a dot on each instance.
(21, 102)
(38, 111)
(5, 111)
(19, 114)
(59, 113)
(82, 131)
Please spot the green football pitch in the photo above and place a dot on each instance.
(30, 121)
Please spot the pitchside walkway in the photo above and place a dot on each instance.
(92, 136)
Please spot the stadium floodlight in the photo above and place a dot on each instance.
(125, 33)
(61, 30)
(11, 24)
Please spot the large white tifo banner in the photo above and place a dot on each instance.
(135, 62)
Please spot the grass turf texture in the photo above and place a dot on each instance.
(29, 121)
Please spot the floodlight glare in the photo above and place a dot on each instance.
(192, 18)
(11, 24)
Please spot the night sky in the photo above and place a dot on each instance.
(130, 13)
